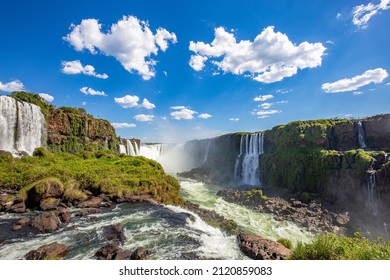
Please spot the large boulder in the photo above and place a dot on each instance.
(139, 254)
(46, 222)
(49, 251)
(259, 248)
(94, 202)
(115, 233)
(18, 208)
(111, 251)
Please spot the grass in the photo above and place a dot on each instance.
(333, 247)
(100, 172)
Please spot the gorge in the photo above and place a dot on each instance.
(339, 166)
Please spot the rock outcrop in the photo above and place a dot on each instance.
(111, 251)
(259, 248)
(48, 252)
(46, 222)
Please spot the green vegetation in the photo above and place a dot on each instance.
(333, 247)
(285, 242)
(255, 192)
(34, 99)
(99, 172)
(73, 110)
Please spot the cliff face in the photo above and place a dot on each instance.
(72, 129)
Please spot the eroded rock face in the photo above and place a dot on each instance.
(111, 251)
(259, 248)
(49, 251)
(377, 132)
(46, 222)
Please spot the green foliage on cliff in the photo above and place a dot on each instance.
(100, 172)
(334, 247)
(34, 99)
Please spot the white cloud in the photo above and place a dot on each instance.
(370, 76)
(178, 107)
(266, 105)
(282, 102)
(46, 97)
(123, 125)
(234, 119)
(75, 67)
(146, 104)
(262, 98)
(182, 113)
(265, 113)
(84, 103)
(338, 15)
(91, 91)
(363, 13)
(357, 93)
(388, 84)
(130, 41)
(165, 73)
(127, 101)
(144, 118)
(205, 116)
(12, 86)
(283, 90)
(271, 56)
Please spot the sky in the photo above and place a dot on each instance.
(170, 71)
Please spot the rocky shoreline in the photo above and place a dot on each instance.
(312, 216)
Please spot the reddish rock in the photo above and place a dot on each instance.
(259, 248)
(115, 233)
(18, 208)
(46, 222)
(49, 251)
(49, 204)
(139, 254)
(94, 202)
(64, 215)
(111, 252)
(87, 211)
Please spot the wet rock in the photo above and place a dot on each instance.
(111, 251)
(173, 217)
(259, 248)
(49, 251)
(18, 208)
(94, 202)
(49, 204)
(46, 222)
(342, 219)
(19, 224)
(87, 211)
(115, 233)
(64, 215)
(16, 227)
(139, 254)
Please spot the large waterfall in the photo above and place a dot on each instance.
(362, 142)
(247, 167)
(372, 194)
(22, 126)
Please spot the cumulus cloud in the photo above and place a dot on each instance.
(144, 118)
(130, 41)
(146, 104)
(264, 113)
(205, 116)
(262, 98)
(75, 67)
(46, 97)
(91, 91)
(123, 125)
(269, 58)
(370, 76)
(182, 113)
(266, 105)
(127, 101)
(363, 13)
(12, 86)
(234, 119)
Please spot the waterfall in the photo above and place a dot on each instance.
(122, 149)
(22, 126)
(151, 151)
(362, 143)
(129, 147)
(247, 166)
(372, 195)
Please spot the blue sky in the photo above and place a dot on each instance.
(168, 71)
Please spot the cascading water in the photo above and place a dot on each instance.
(247, 167)
(362, 142)
(151, 151)
(22, 126)
(372, 195)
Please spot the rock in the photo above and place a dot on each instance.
(49, 251)
(64, 215)
(16, 227)
(342, 219)
(115, 233)
(84, 212)
(18, 208)
(46, 222)
(49, 204)
(259, 248)
(23, 221)
(139, 254)
(94, 202)
(111, 251)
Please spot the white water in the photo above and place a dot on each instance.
(151, 151)
(22, 126)
(249, 220)
(372, 196)
(247, 167)
(362, 142)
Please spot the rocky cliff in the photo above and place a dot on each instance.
(72, 129)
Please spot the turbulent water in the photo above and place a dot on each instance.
(22, 126)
